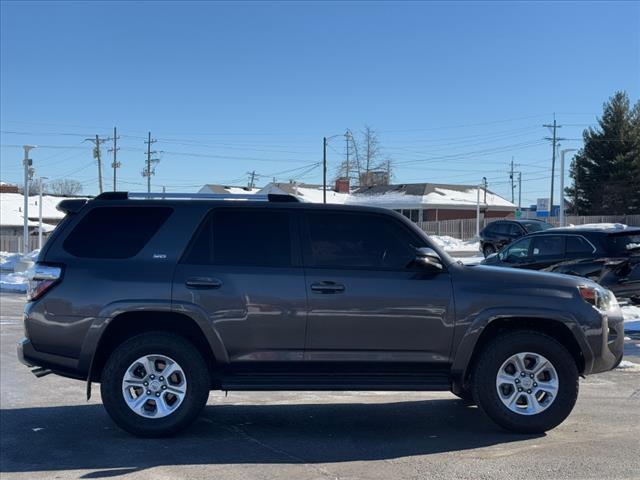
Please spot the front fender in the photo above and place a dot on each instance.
(475, 326)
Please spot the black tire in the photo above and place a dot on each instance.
(488, 250)
(173, 346)
(497, 352)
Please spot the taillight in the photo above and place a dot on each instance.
(41, 279)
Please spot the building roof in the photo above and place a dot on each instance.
(223, 189)
(429, 195)
(11, 209)
(407, 195)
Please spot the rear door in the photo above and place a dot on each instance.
(243, 270)
(366, 303)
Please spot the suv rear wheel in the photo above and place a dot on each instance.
(526, 382)
(155, 384)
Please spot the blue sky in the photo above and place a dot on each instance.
(453, 89)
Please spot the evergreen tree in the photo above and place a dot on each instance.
(606, 171)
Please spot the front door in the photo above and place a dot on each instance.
(242, 270)
(367, 302)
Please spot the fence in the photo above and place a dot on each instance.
(13, 243)
(465, 229)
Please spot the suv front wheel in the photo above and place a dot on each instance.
(154, 384)
(526, 382)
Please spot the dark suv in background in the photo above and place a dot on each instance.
(609, 256)
(500, 233)
(161, 300)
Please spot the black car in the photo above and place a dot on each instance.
(500, 233)
(162, 299)
(608, 256)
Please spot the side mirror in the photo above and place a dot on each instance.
(428, 257)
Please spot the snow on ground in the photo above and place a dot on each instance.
(629, 366)
(449, 244)
(13, 282)
(631, 315)
(8, 260)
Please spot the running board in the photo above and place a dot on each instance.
(392, 382)
(41, 372)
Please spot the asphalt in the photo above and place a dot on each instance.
(48, 430)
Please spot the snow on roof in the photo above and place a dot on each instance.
(305, 192)
(428, 195)
(11, 205)
(222, 189)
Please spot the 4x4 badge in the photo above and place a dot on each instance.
(159, 255)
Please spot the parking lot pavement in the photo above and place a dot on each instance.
(48, 430)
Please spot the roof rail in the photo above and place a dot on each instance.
(197, 196)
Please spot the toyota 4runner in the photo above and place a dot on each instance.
(162, 298)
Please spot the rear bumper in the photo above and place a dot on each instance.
(64, 366)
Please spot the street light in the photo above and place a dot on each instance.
(562, 153)
(25, 193)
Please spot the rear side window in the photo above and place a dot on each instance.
(624, 244)
(578, 245)
(243, 237)
(115, 232)
(547, 246)
(346, 240)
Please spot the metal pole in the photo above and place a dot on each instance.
(520, 191)
(115, 156)
(478, 213)
(99, 163)
(149, 164)
(562, 153)
(324, 170)
(40, 217)
(25, 194)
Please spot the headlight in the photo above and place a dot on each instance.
(601, 298)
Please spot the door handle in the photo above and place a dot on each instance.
(327, 287)
(203, 282)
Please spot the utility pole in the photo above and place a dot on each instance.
(28, 172)
(513, 186)
(478, 211)
(253, 176)
(324, 169)
(148, 170)
(485, 185)
(115, 164)
(96, 154)
(554, 140)
(520, 191)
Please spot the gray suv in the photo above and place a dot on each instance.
(161, 300)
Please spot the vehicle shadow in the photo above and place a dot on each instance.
(84, 438)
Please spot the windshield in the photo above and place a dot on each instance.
(624, 244)
(536, 226)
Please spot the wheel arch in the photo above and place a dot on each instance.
(128, 324)
(561, 331)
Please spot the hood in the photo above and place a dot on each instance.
(521, 277)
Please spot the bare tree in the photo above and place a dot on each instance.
(64, 186)
(370, 147)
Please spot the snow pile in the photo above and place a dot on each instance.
(451, 244)
(8, 260)
(629, 366)
(14, 282)
(631, 314)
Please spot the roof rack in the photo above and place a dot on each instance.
(197, 196)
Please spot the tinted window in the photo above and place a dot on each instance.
(239, 236)
(359, 241)
(547, 245)
(115, 232)
(576, 245)
(517, 251)
(514, 229)
(624, 244)
(536, 226)
(503, 228)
